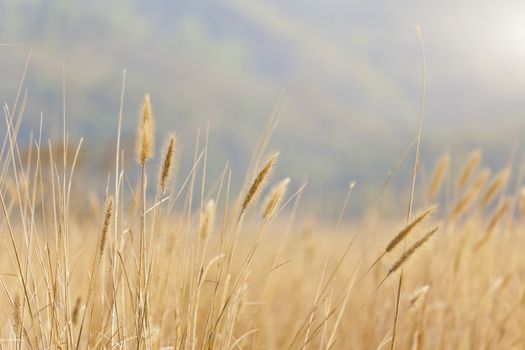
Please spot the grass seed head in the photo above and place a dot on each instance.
(259, 182)
(499, 182)
(145, 133)
(408, 228)
(469, 168)
(207, 220)
(108, 215)
(439, 173)
(275, 197)
(410, 251)
(167, 163)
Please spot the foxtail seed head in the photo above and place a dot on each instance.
(408, 228)
(439, 173)
(207, 220)
(167, 163)
(145, 133)
(500, 180)
(108, 215)
(259, 181)
(410, 251)
(275, 197)
(469, 168)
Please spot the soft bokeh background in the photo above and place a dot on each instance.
(351, 72)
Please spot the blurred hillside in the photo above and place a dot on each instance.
(351, 72)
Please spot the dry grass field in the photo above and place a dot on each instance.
(159, 264)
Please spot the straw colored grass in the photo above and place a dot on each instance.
(193, 264)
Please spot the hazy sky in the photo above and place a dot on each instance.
(351, 72)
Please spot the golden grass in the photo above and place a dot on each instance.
(189, 268)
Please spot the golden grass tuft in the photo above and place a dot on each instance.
(145, 133)
(439, 173)
(499, 182)
(180, 273)
(522, 202)
(410, 251)
(470, 166)
(408, 228)
(259, 181)
(417, 295)
(207, 220)
(17, 315)
(472, 193)
(275, 197)
(498, 214)
(496, 218)
(167, 163)
(108, 215)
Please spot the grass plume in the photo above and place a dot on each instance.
(469, 168)
(439, 173)
(274, 198)
(145, 133)
(411, 250)
(499, 181)
(207, 220)
(408, 228)
(167, 163)
(108, 215)
(472, 193)
(259, 181)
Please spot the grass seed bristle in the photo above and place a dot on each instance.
(408, 228)
(406, 255)
(258, 182)
(275, 197)
(167, 163)
(108, 214)
(470, 196)
(469, 168)
(145, 133)
(499, 181)
(438, 175)
(17, 315)
(207, 220)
